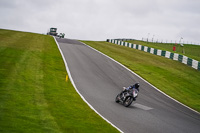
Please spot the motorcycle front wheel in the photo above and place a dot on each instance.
(117, 98)
(127, 102)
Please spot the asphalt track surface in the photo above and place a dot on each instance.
(99, 79)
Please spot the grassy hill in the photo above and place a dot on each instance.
(172, 77)
(34, 95)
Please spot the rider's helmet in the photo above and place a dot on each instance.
(137, 85)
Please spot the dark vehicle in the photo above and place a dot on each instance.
(127, 97)
(53, 32)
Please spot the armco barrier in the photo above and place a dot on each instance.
(199, 66)
(174, 56)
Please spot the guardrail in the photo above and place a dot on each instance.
(174, 56)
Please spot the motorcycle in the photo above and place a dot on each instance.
(127, 97)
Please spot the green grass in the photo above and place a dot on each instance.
(34, 95)
(192, 51)
(172, 77)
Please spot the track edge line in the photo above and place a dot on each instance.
(72, 81)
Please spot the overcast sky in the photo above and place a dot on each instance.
(166, 20)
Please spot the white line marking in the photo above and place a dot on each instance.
(142, 106)
(72, 81)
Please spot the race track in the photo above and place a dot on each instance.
(99, 79)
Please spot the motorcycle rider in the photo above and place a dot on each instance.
(135, 86)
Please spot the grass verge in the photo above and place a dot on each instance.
(34, 96)
(172, 77)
